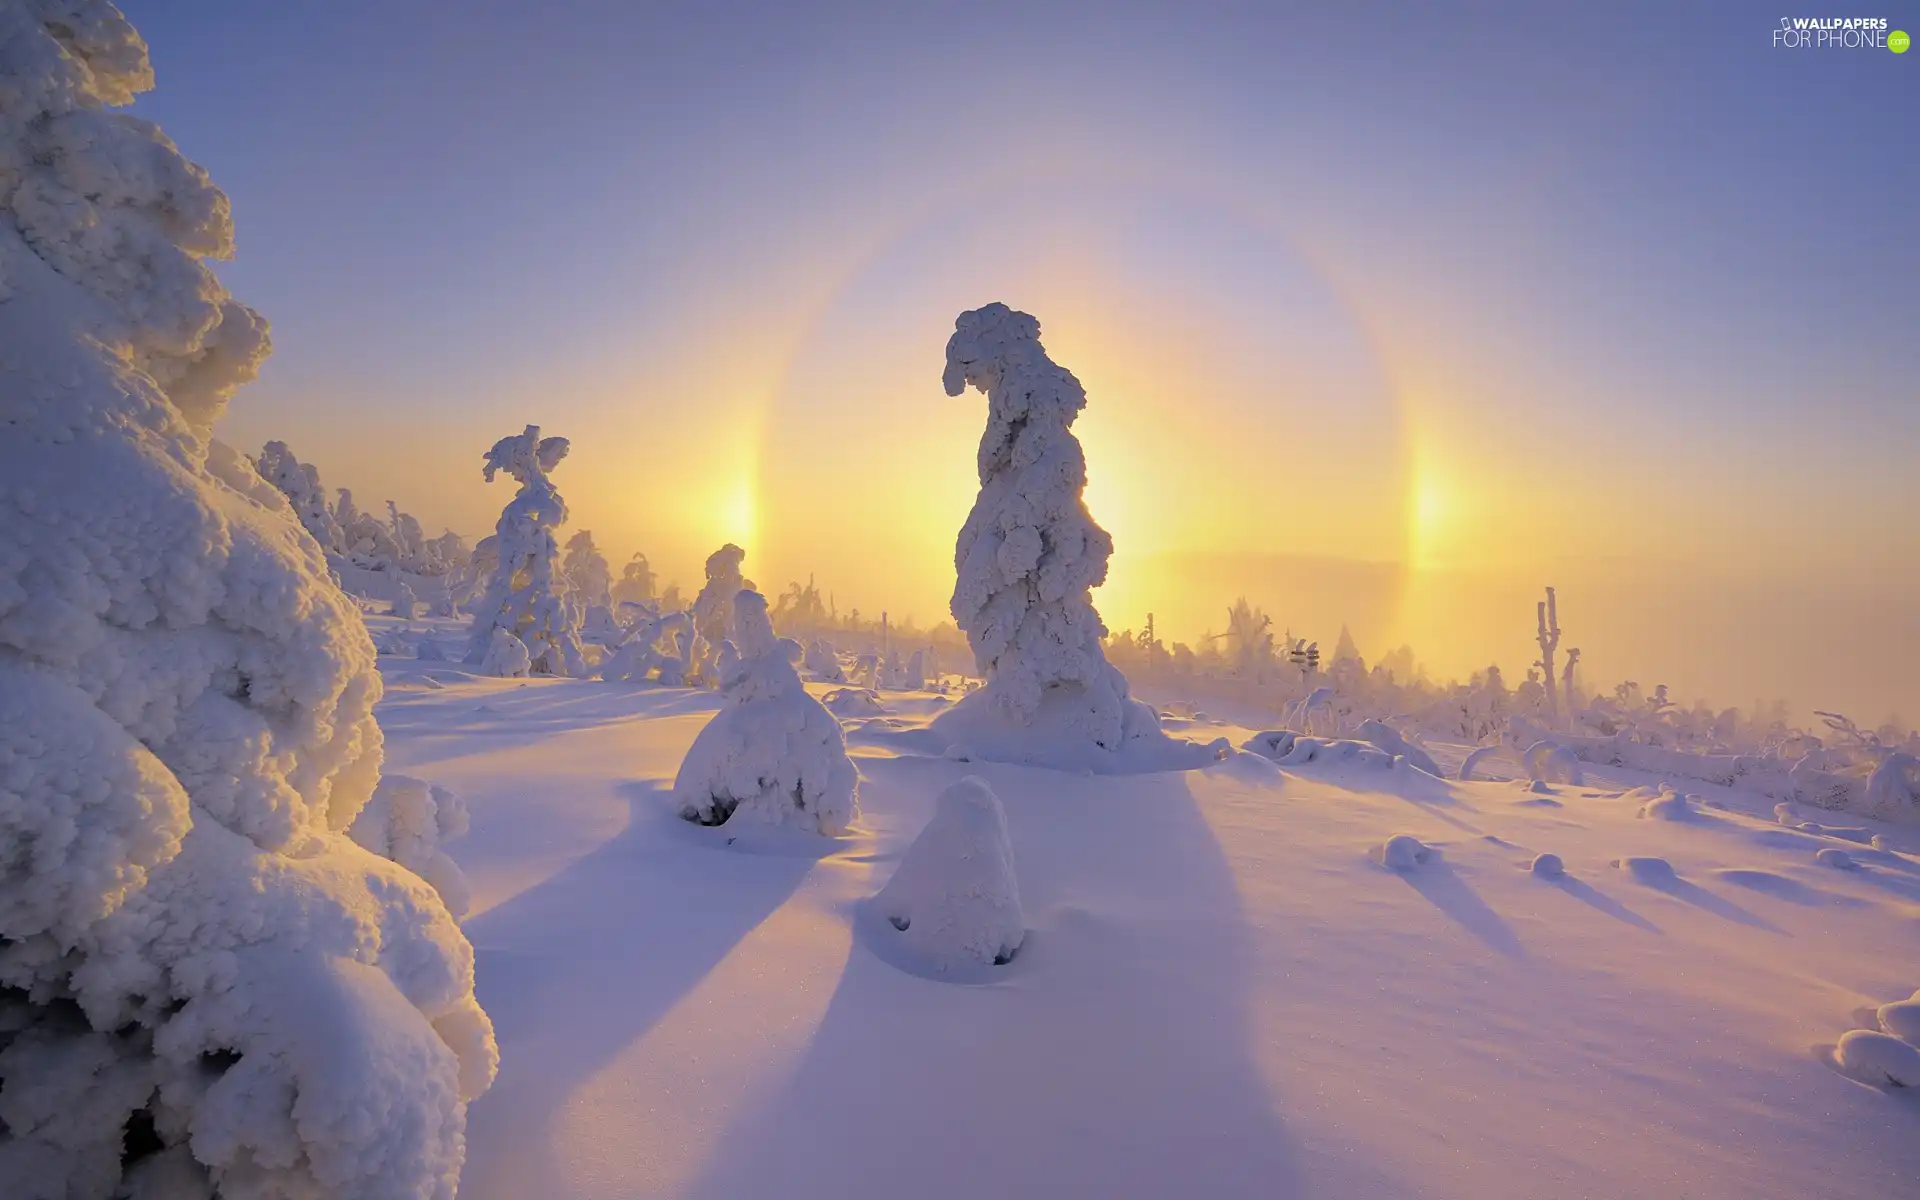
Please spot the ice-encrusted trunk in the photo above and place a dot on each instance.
(203, 978)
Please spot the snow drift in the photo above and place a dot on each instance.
(202, 977)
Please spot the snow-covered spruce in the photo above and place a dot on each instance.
(772, 755)
(300, 483)
(954, 898)
(589, 578)
(525, 597)
(1027, 559)
(713, 608)
(206, 986)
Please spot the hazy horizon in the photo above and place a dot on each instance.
(1616, 301)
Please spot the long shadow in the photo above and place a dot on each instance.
(1719, 906)
(578, 967)
(1588, 894)
(453, 728)
(1115, 1060)
(1441, 886)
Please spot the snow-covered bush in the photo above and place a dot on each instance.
(408, 820)
(823, 663)
(406, 605)
(771, 755)
(1030, 553)
(506, 657)
(1394, 742)
(523, 597)
(588, 577)
(657, 645)
(636, 582)
(954, 898)
(202, 976)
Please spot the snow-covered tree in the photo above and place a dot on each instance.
(206, 986)
(772, 755)
(713, 607)
(588, 576)
(1030, 554)
(636, 582)
(406, 605)
(524, 597)
(300, 483)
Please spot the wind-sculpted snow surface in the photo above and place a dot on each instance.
(772, 755)
(205, 984)
(524, 598)
(1030, 554)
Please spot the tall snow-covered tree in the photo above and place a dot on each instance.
(524, 597)
(713, 607)
(588, 576)
(1030, 553)
(206, 986)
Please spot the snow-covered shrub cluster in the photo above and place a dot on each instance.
(661, 647)
(713, 608)
(525, 597)
(954, 897)
(206, 986)
(1030, 553)
(772, 755)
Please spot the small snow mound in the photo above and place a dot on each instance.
(1336, 752)
(1540, 787)
(506, 657)
(1553, 763)
(1548, 866)
(1273, 744)
(1246, 766)
(1784, 814)
(1836, 858)
(1402, 852)
(1813, 827)
(954, 897)
(1902, 1020)
(853, 702)
(1668, 806)
(1646, 869)
(959, 752)
(1878, 1058)
(1880, 842)
(1393, 741)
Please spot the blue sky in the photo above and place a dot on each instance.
(1620, 284)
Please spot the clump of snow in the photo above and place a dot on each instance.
(1336, 752)
(822, 663)
(524, 597)
(1836, 858)
(772, 754)
(506, 656)
(1547, 866)
(1550, 762)
(954, 898)
(1030, 553)
(1901, 1019)
(1880, 1059)
(853, 702)
(1274, 744)
(1669, 805)
(959, 752)
(408, 820)
(1646, 869)
(191, 946)
(1393, 741)
(406, 605)
(1402, 852)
